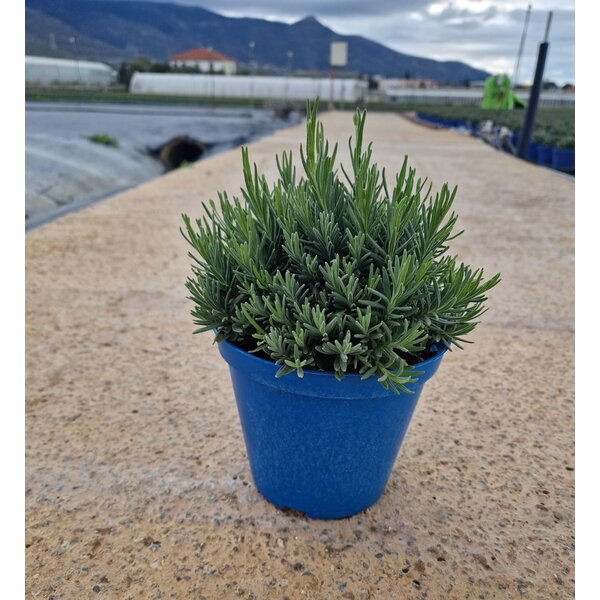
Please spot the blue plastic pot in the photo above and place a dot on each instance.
(315, 444)
(544, 155)
(563, 160)
(531, 152)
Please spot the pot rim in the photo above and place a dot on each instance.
(320, 383)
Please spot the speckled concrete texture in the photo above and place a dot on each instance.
(138, 484)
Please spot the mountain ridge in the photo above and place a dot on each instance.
(113, 31)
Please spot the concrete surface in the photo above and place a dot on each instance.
(137, 479)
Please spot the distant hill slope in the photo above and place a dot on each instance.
(112, 31)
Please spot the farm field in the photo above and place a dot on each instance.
(554, 126)
(75, 152)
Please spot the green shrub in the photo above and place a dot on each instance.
(103, 139)
(543, 136)
(342, 274)
(566, 142)
(551, 124)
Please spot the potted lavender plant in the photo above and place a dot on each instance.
(333, 299)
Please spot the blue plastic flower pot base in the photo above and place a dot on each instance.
(531, 152)
(315, 444)
(563, 160)
(544, 155)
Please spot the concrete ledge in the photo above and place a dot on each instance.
(137, 479)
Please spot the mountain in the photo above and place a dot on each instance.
(113, 31)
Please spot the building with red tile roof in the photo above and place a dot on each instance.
(206, 60)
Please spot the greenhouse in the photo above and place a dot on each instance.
(41, 70)
(247, 86)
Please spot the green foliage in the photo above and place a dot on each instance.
(567, 142)
(142, 64)
(336, 274)
(129, 67)
(542, 136)
(124, 97)
(553, 126)
(103, 139)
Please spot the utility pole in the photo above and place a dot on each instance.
(72, 41)
(534, 95)
(521, 46)
(290, 55)
(251, 46)
(338, 57)
(331, 77)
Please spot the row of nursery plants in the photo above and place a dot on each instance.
(558, 124)
(552, 142)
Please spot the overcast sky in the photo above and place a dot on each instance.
(482, 33)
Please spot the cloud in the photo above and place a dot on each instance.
(292, 10)
(488, 39)
(450, 12)
(483, 33)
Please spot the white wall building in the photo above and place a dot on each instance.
(206, 60)
(556, 98)
(248, 86)
(42, 70)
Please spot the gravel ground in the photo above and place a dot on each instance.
(138, 484)
(63, 167)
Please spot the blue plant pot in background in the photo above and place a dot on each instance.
(532, 151)
(428, 118)
(315, 444)
(544, 155)
(563, 160)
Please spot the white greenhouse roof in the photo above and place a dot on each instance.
(247, 86)
(46, 61)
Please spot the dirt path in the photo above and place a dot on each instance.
(137, 478)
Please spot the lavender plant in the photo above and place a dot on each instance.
(335, 273)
